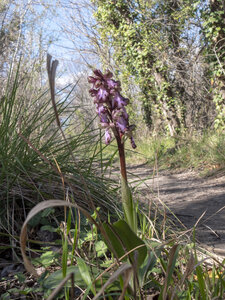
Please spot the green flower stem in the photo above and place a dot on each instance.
(127, 200)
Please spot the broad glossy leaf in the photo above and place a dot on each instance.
(123, 239)
(55, 278)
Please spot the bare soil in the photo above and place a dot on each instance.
(189, 196)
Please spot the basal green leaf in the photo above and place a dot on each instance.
(55, 278)
(123, 239)
(85, 272)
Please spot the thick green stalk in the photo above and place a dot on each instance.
(127, 200)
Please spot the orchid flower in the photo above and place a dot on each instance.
(110, 107)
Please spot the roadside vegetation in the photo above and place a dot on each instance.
(200, 151)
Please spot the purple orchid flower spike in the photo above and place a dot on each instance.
(110, 105)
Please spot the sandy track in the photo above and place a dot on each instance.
(188, 195)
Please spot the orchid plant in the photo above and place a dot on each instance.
(110, 107)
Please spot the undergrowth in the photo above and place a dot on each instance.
(87, 255)
(34, 160)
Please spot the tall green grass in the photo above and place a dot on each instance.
(35, 159)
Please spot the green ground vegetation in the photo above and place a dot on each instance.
(199, 151)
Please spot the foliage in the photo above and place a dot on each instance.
(148, 40)
(213, 26)
(173, 268)
(196, 151)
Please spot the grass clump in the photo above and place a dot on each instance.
(36, 163)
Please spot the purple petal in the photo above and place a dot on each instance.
(104, 125)
(104, 118)
(91, 79)
(102, 95)
(100, 109)
(124, 113)
(98, 73)
(108, 137)
(117, 113)
(122, 124)
(108, 75)
(119, 101)
(93, 92)
(133, 143)
(98, 83)
(112, 84)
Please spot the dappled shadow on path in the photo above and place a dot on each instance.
(188, 196)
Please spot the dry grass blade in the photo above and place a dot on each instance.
(189, 268)
(51, 69)
(219, 210)
(202, 215)
(39, 207)
(123, 269)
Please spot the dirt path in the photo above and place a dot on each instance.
(188, 195)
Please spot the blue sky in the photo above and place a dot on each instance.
(54, 18)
